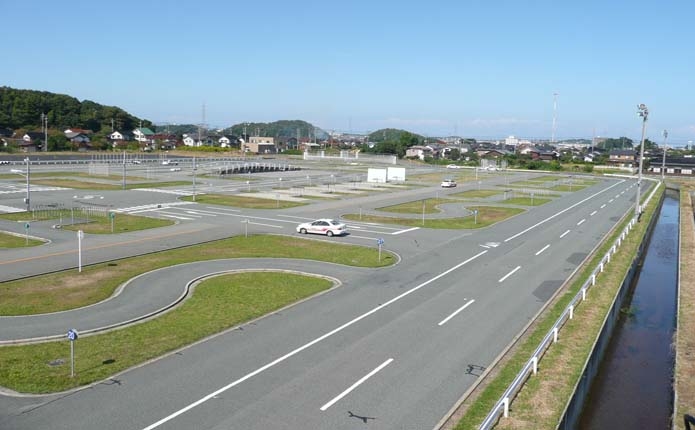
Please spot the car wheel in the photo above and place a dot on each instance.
(302, 231)
(329, 233)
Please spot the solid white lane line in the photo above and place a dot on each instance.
(442, 322)
(200, 213)
(564, 234)
(509, 274)
(593, 213)
(543, 249)
(223, 209)
(581, 222)
(306, 345)
(405, 231)
(356, 384)
(602, 206)
(561, 212)
(265, 225)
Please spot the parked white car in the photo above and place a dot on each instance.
(329, 227)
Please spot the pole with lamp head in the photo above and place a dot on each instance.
(663, 159)
(644, 113)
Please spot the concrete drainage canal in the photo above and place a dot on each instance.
(632, 389)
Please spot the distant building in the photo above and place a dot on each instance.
(260, 145)
(622, 158)
(143, 134)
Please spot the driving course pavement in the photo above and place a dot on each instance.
(391, 348)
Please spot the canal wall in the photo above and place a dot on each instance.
(573, 410)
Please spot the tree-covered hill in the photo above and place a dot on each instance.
(278, 129)
(23, 109)
(391, 135)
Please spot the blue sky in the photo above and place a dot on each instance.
(484, 69)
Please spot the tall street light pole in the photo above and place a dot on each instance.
(644, 113)
(663, 159)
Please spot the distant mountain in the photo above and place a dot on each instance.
(278, 129)
(24, 109)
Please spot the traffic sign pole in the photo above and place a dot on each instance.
(26, 233)
(72, 337)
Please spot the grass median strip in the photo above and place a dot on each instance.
(17, 241)
(94, 223)
(487, 215)
(217, 304)
(243, 201)
(69, 289)
(540, 403)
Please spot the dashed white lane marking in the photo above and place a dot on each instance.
(503, 278)
(456, 312)
(356, 384)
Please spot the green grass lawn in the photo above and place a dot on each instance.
(14, 241)
(98, 223)
(477, 194)
(525, 201)
(217, 304)
(243, 201)
(568, 188)
(487, 215)
(69, 289)
(416, 206)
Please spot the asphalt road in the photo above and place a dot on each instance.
(391, 348)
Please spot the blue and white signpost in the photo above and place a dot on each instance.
(380, 242)
(72, 337)
(475, 216)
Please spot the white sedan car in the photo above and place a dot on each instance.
(329, 227)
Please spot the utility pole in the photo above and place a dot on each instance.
(644, 113)
(552, 139)
(44, 125)
(663, 160)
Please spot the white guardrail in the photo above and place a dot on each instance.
(531, 366)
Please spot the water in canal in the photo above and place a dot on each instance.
(632, 389)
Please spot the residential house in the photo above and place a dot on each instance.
(673, 166)
(77, 138)
(143, 134)
(228, 141)
(492, 153)
(418, 151)
(260, 145)
(79, 131)
(622, 158)
(120, 136)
